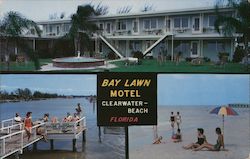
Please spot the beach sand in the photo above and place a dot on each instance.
(236, 135)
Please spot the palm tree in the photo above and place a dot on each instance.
(12, 26)
(81, 27)
(235, 24)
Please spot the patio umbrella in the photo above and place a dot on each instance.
(224, 111)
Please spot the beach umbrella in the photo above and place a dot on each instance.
(224, 111)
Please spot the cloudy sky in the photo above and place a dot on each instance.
(203, 89)
(61, 84)
(41, 9)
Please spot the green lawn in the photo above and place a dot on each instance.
(146, 66)
(27, 66)
(153, 66)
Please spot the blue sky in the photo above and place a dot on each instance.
(41, 9)
(210, 89)
(61, 84)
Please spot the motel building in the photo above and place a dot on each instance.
(190, 32)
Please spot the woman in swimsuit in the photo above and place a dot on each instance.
(178, 120)
(28, 124)
(172, 120)
(217, 146)
(201, 139)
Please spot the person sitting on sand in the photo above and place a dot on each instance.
(28, 124)
(17, 118)
(158, 140)
(217, 146)
(201, 139)
(177, 137)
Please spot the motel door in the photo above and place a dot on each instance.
(196, 24)
(194, 49)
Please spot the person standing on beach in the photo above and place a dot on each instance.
(178, 120)
(28, 124)
(172, 121)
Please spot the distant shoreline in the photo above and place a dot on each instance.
(38, 99)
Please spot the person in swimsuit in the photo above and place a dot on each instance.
(28, 124)
(46, 117)
(78, 110)
(201, 139)
(172, 121)
(177, 137)
(178, 120)
(217, 146)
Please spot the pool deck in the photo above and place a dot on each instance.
(50, 67)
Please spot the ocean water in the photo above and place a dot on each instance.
(111, 145)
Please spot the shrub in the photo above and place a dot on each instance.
(112, 56)
(238, 55)
(223, 55)
(189, 59)
(206, 59)
(137, 54)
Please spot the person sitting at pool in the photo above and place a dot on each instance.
(28, 124)
(158, 140)
(217, 146)
(177, 137)
(17, 118)
(76, 117)
(54, 120)
(201, 139)
(68, 118)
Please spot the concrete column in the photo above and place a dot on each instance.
(99, 134)
(51, 144)
(172, 49)
(74, 145)
(84, 136)
(35, 146)
(34, 44)
(127, 48)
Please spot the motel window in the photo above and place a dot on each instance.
(66, 27)
(57, 30)
(101, 26)
(184, 22)
(153, 23)
(181, 22)
(121, 25)
(177, 22)
(135, 26)
(150, 24)
(211, 20)
(168, 24)
(50, 28)
(146, 24)
(108, 29)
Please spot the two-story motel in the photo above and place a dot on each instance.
(189, 31)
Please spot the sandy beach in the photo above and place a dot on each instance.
(236, 135)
